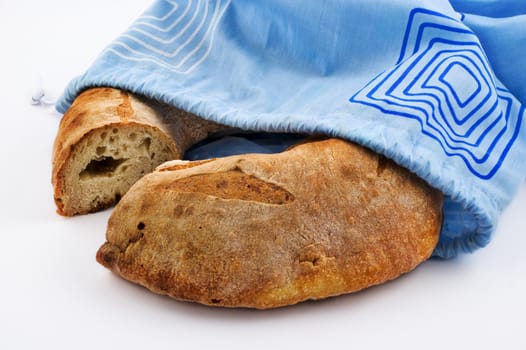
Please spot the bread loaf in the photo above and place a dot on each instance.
(108, 139)
(323, 218)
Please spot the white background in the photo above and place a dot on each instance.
(53, 295)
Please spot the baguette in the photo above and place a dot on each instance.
(108, 139)
(321, 219)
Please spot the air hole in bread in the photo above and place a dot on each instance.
(104, 166)
(100, 150)
(145, 144)
(140, 226)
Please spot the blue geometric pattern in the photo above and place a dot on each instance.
(443, 81)
(177, 37)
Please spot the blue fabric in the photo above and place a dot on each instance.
(435, 89)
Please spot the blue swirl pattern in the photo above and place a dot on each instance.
(178, 36)
(443, 80)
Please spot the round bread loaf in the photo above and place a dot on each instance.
(323, 218)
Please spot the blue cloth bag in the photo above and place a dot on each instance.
(437, 86)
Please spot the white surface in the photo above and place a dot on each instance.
(55, 296)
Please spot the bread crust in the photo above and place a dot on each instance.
(324, 218)
(101, 111)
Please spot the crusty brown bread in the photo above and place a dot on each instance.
(108, 139)
(323, 218)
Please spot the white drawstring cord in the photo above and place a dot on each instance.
(40, 98)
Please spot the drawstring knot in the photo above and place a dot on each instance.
(40, 98)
